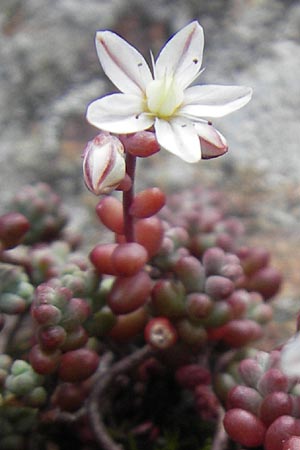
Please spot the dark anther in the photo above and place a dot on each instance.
(195, 60)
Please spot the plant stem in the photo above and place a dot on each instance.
(128, 198)
(99, 400)
(220, 439)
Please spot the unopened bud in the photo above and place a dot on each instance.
(103, 164)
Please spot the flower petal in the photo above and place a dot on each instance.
(213, 143)
(119, 113)
(181, 57)
(209, 134)
(122, 63)
(214, 100)
(178, 137)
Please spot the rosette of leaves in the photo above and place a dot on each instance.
(203, 215)
(262, 403)
(44, 211)
(16, 291)
(22, 382)
(61, 336)
(57, 260)
(203, 298)
(21, 393)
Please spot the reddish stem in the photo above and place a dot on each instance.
(128, 198)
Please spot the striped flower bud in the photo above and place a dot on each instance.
(103, 164)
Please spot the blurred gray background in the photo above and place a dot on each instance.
(49, 72)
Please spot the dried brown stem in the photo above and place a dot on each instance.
(220, 439)
(64, 416)
(99, 398)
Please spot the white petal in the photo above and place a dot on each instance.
(122, 63)
(214, 100)
(213, 143)
(182, 55)
(179, 138)
(119, 113)
(210, 134)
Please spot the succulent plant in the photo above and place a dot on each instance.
(262, 404)
(43, 210)
(184, 288)
(16, 291)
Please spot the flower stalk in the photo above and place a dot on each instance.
(128, 195)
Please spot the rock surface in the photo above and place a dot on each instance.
(49, 73)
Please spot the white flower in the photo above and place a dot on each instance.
(163, 100)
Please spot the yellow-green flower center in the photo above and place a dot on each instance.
(163, 97)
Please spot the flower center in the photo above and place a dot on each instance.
(163, 97)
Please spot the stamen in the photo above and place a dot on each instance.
(164, 97)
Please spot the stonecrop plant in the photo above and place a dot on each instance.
(147, 342)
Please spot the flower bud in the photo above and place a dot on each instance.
(103, 164)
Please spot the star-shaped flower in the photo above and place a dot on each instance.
(164, 100)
